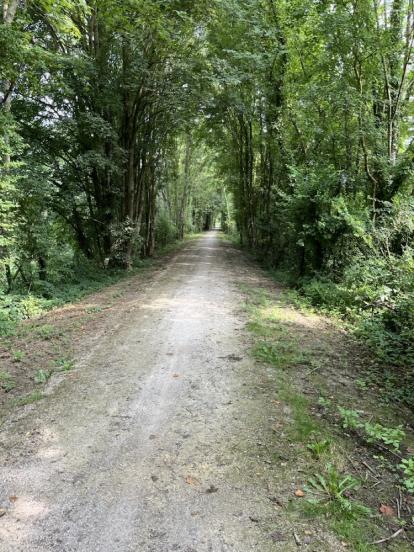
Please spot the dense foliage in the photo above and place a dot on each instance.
(100, 155)
(127, 124)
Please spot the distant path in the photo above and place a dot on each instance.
(154, 443)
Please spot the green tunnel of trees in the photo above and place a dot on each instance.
(126, 125)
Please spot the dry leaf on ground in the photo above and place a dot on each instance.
(386, 510)
(190, 480)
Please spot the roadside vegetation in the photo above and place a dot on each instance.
(348, 454)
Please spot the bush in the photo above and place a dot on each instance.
(165, 230)
(376, 293)
(327, 294)
(14, 308)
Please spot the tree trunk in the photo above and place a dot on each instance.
(41, 261)
(186, 187)
(8, 13)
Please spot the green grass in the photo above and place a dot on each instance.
(356, 530)
(18, 356)
(319, 448)
(280, 355)
(267, 320)
(7, 383)
(32, 397)
(42, 376)
(304, 424)
(45, 331)
(93, 310)
(64, 364)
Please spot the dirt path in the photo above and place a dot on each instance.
(154, 442)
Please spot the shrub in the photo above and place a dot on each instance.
(407, 467)
(165, 230)
(326, 293)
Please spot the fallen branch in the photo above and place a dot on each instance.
(376, 484)
(312, 371)
(370, 469)
(388, 538)
(297, 539)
